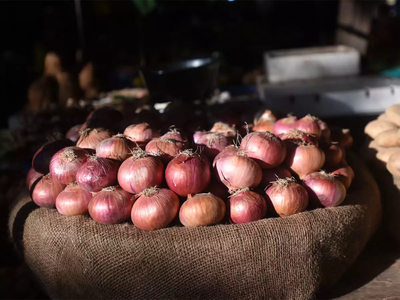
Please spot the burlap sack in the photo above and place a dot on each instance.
(280, 258)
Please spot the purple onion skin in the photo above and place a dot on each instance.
(94, 175)
(46, 190)
(73, 200)
(111, 207)
(213, 148)
(245, 207)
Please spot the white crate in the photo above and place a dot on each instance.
(311, 63)
(345, 96)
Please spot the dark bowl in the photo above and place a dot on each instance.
(185, 80)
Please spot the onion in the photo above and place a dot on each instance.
(66, 162)
(309, 124)
(117, 147)
(46, 190)
(224, 129)
(283, 125)
(41, 158)
(165, 148)
(74, 132)
(299, 136)
(175, 134)
(238, 171)
(188, 173)
(265, 148)
(270, 175)
(267, 115)
(245, 206)
(325, 130)
(73, 200)
(140, 171)
(213, 143)
(262, 126)
(287, 197)
(304, 158)
(323, 189)
(228, 151)
(141, 133)
(202, 210)
(197, 135)
(97, 173)
(31, 177)
(333, 153)
(344, 173)
(111, 205)
(91, 137)
(155, 209)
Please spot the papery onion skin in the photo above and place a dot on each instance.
(265, 148)
(270, 175)
(202, 210)
(66, 162)
(228, 151)
(165, 148)
(188, 173)
(155, 209)
(141, 133)
(324, 189)
(112, 205)
(310, 125)
(137, 173)
(246, 206)
(42, 157)
(284, 125)
(31, 177)
(213, 143)
(117, 147)
(197, 135)
(224, 129)
(238, 172)
(303, 159)
(176, 134)
(46, 191)
(295, 135)
(73, 200)
(91, 137)
(74, 132)
(97, 173)
(287, 197)
(344, 173)
(263, 126)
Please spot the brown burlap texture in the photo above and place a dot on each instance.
(278, 258)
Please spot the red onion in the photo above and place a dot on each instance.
(155, 209)
(267, 115)
(344, 173)
(333, 153)
(46, 191)
(224, 129)
(304, 158)
(74, 132)
(91, 137)
(263, 126)
(238, 171)
(141, 133)
(73, 200)
(245, 206)
(325, 130)
(188, 173)
(270, 175)
(287, 197)
(66, 162)
(165, 148)
(112, 205)
(97, 173)
(213, 143)
(299, 136)
(309, 124)
(31, 177)
(323, 189)
(265, 148)
(117, 147)
(41, 158)
(175, 134)
(197, 135)
(202, 210)
(283, 125)
(140, 171)
(228, 151)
